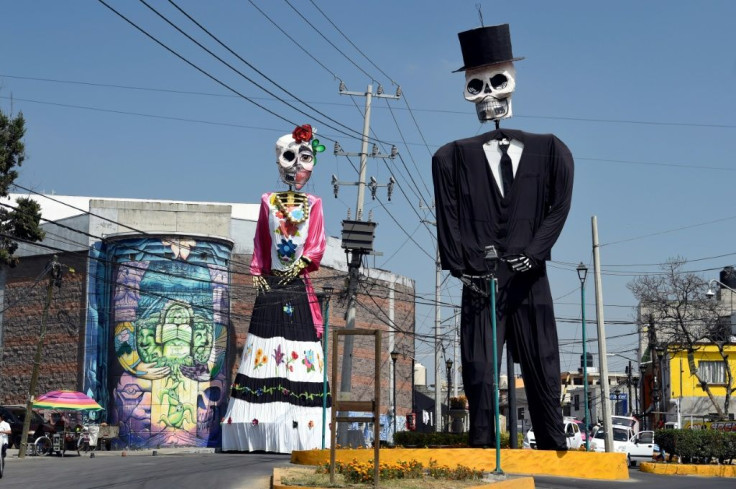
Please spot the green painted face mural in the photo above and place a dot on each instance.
(169, 329)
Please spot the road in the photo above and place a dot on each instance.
(636, 479)
(186, 470)
(143, 471)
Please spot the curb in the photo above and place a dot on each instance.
(513, 483)
(12, 454)
(689, 469)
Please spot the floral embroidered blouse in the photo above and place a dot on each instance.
(285, 232)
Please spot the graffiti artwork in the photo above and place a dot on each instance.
(169, 315)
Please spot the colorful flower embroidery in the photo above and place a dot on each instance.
(278, 356)
(294, 356)
(321, 364)
(286, 248)
(308, 360)
(254, 422)
(260, 359)
(289, 310)
(310, 424)
(287, 228)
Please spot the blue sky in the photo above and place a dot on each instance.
(641, 92)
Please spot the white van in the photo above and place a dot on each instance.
(628, 421)
(573, 436)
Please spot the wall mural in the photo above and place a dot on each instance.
(169, 331)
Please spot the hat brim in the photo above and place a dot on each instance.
(465, 68)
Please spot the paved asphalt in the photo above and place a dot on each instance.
(204, 469)
(170, 468)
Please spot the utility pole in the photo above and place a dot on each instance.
(455, 346)
(602, 354)
(357, 235)
(54, 271)
(437, 334)
(437, 344)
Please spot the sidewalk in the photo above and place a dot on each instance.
(12, 453)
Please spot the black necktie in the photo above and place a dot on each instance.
(507, 170)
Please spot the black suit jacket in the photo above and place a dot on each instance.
(472, 214)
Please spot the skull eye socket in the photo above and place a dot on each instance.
(499, 81)
(289, 155)
(475, 86)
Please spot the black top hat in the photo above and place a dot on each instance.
(486, 46)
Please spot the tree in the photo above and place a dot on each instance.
(675, 304)
(19, 222)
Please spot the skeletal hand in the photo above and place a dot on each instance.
(260, 284)
(294, 271)
(520, 263)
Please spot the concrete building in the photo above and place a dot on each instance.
(133, 271)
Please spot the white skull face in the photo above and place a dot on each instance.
(295, 161)
(490, 88)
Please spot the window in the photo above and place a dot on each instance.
(646, 437)
(712, 372)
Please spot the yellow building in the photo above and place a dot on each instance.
(678, 387)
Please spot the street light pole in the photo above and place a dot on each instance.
(394, 357)
(660, 350)
(448, 364)
(582, 274)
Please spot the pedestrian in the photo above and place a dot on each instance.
(5, 431)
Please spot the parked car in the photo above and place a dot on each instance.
(581, 427)
(15, 415)
(621, 436)
(641, 447)
(638, 447)
(573, 435)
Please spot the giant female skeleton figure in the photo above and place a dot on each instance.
(276, 397)
(510, 189)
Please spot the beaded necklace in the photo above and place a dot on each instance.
(296, 207)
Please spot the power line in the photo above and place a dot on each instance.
(201, 70)
(244, 61)
(328, 41)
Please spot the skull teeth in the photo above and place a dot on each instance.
(491, 106)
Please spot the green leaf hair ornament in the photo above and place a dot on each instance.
(317, 148)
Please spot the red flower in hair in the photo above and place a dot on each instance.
(302, 133)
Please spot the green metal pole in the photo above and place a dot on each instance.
(326, 332)
(585, 370)
(496, 414)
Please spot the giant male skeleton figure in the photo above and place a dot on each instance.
(518, 206)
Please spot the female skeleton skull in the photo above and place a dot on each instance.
(295, 161)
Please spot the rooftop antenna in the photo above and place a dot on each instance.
(480, 13)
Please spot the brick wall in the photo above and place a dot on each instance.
(26, 291)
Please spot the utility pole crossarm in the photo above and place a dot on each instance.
(364, 154)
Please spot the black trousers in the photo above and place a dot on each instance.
(525, 318)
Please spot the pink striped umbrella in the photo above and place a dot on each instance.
(66, 401)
